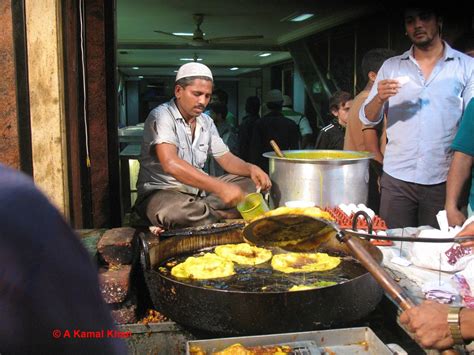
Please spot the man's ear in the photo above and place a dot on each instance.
(178, 89)
(372, 76)
(335, 112)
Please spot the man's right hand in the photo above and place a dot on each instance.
(387, 88)
(230, 194)
(428, 322)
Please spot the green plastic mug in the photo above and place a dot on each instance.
(252, 206)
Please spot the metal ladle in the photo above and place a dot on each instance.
(306, 232)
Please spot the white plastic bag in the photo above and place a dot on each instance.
(432, 255)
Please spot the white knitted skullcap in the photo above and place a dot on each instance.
(287, 100)
(193, 69)
(274, 96)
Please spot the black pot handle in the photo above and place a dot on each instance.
(367, 219)
(144, 252)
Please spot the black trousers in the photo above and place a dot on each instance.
(406, 204)
(375, 173)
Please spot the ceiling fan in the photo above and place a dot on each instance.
(198, 39)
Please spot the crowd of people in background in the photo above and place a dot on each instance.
(416, 116)
(407, 116)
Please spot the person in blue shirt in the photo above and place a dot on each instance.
(461, 169)
(423, 93)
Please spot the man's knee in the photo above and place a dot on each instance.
(188, 213)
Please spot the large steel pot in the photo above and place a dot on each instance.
(244, 313)
(326, 177)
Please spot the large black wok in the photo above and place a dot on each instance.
(244, 313)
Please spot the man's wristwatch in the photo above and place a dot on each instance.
(455, 325)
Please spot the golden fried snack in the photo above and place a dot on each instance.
(307, 211)
(301, 288)
(317, 284)
(238, 349)
(153, 316)
(235, 349)
(208, 266)
(196, 350)
(304, 262)
(243, 253)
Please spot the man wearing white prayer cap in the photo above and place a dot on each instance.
(173, 190)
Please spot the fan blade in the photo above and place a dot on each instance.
(185, 38)
(233, 38)
(198, 42)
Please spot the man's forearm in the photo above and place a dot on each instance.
(189, 175)
(234, 165)
(459, 172)
(373, 109)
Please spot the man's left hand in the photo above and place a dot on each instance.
(260, 178)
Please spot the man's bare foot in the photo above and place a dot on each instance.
(156, 230)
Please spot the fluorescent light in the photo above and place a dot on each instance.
(234, 68)
(186, 33)
(264, 54)
(301, 17)
(135, 68)
(140, 77)
(189, 59)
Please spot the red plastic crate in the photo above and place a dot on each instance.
(345, 222)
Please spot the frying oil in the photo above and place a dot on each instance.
(262, 277)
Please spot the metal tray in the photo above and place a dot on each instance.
(335, 341)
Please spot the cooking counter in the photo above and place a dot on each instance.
(170, 338)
